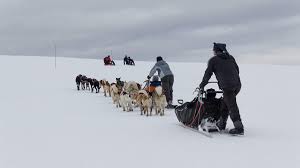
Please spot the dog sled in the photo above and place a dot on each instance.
(203, 112)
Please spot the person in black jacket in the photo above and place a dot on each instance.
(125, 60)
(130, 61)
(226, 70)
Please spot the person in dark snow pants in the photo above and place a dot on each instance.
(226, 70)
(167, 79)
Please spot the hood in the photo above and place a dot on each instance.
(224, 55)
(161, 62)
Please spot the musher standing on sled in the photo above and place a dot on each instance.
(167, 79)
(226, 70)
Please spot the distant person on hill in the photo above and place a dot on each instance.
(130, 61)
(125, 60)
(167, 79)
(108, 61)
(226, 70)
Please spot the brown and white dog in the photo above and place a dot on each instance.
(115, 94)
(160, 101)
(106, 87)
(126, 101)
(132, 88)
(145, 101)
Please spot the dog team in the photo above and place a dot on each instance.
(127, 95)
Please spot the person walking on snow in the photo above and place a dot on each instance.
(167, 79)
(226, 70)
(125, 60)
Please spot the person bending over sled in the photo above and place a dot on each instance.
(167, 79)
(128, 61)
(108, 61)
(226, 70)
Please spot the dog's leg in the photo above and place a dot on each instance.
(141, 108)
(162, 112)
(144, 110)
(127, 108)
(109, 93)
(130, 106)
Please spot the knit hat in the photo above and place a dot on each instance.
(220, 47)
(159, 58)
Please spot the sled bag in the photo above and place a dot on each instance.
(192, 113)
(189, 113)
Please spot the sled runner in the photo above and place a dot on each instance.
(204, 111)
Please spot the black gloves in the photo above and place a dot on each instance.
(201, 90)
(148, 77)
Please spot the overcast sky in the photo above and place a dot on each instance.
(255, 31)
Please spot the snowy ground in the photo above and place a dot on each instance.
(46, 123)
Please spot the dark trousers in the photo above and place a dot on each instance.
(167, 85)
(229, 106)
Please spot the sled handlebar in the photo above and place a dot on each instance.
(205, 91)
(216, 92)
(180, 101)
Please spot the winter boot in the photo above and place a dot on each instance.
(170, 105)
(238, 130)
(221, 124)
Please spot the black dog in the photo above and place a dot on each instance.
(119, 83)
(84, 82)
(78, 80)
(95, 85)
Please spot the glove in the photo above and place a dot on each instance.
(201, 89)
(148, 77)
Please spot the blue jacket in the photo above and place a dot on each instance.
(155, 83)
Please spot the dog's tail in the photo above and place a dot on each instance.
(159, 90)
